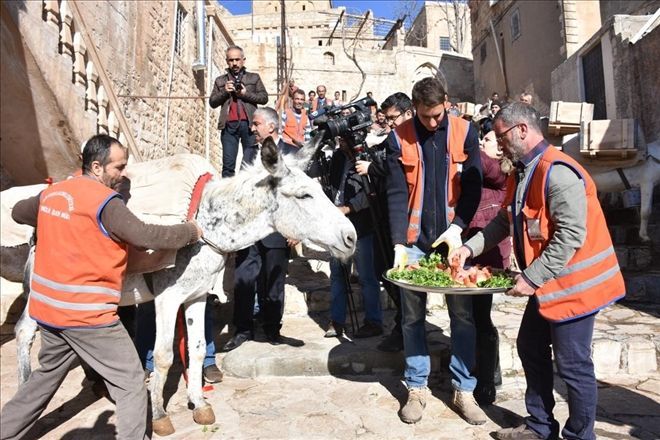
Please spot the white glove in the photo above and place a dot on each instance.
(452, 236)
(400, 256)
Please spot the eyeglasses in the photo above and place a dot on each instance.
(393, 118)
(235, 60)
(500, 138)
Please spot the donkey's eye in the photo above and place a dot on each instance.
(303, 196)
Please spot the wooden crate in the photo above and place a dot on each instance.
(566, 117)
(614, 137)
(466, 108)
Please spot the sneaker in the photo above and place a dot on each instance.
(368, 330)
(212, 374)
(522, 432)
(392, 343)
(414, 408)
(467, 408)
(335, 330)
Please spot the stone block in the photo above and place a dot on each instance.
(642, 356)
(606, 355)
(11, 302)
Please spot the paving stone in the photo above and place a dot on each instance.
(642, 356)
(651, 385)
(606, 355)
(618, 314)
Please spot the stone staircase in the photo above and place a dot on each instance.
(625, 339)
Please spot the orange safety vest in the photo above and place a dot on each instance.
(592, 278)
(413, 168)
(293, 130)
(78, 268)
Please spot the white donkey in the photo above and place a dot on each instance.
(643, 174)
(274, 195)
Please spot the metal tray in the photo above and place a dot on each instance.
(446, 290)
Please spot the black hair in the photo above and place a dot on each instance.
(97, 149)
(398, 100)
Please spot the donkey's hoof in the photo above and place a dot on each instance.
(162, 426)
(204, 415)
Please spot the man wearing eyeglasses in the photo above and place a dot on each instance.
(397, 109)
(569, 272)
(433, 190)
(238, 92)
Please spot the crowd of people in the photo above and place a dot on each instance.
(485, 185)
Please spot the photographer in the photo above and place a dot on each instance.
(348, 194)
(238, 92)
(397, 109)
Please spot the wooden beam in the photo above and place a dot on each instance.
(395, 27)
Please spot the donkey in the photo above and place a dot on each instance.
(643, 174)
(274, 195)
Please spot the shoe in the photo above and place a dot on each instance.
(467, 408)
(522, 432)
(485, 394)
(369, 330)
(414, 407)
(278, 339)
(212, 374)
(236, 341)
(335, 330)
(392, 343)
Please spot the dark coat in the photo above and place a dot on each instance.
(354, 194)
(255, 94)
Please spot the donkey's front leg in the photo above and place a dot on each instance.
(203, 413)
(167, 307)
(25, 330)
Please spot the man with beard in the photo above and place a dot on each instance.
(238, 92)
(83, 228)
(569, 272)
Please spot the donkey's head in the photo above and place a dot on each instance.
(303, 210)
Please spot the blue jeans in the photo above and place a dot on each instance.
(369, 286)
(570, 341)
(463, 342)
(229, 137)
(146, 335)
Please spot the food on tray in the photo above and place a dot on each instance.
(433, 271)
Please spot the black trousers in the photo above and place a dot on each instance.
(260, 269)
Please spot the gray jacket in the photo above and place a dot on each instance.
(255, 94)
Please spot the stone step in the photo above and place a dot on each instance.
(625, 342)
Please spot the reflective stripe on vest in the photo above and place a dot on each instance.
(294, 130)
(412, 160)
(592, 278)
(78, 269)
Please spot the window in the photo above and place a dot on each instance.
(594, 81)
(515, 24)
(320, 42)
(179, 36)
(445, 44)
(329, 58)
(483, 52)
(304, 7)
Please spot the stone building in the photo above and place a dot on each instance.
(321, 40)
(517, 44)
(72, 69)
(617, 54)
(442, 25)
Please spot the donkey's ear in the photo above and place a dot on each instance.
(272, 159)
(305, 154)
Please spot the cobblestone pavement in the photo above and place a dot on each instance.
(343, 389)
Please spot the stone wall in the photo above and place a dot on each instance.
(46, 113)
(631, 65)
(609, 8)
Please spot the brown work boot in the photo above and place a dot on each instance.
(414, 408)
(466, 406)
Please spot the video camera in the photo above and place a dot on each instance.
(351, 128)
